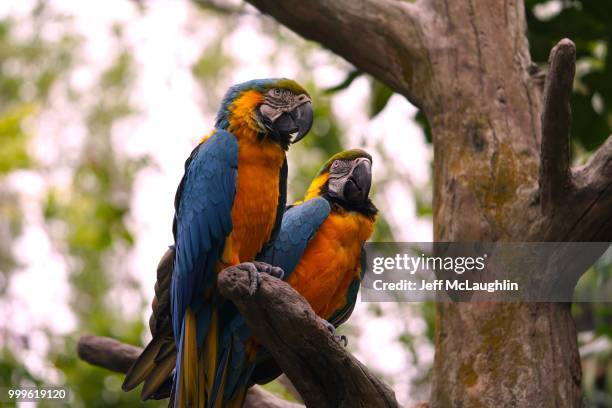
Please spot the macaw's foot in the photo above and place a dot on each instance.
(255, 269)
(269, 269)
(332, 330)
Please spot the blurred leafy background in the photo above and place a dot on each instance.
(99, 109)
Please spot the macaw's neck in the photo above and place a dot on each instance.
(314, 190)
(318, 188)
(354, 224)
(240, 116)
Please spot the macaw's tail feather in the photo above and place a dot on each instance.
(159, 377)
(164, 390)
(225, 382)
(186, 375)
(238, 400)
(216, 396)
(197, 362)
(234, 372)
(211, 351)
(154, 366)
(143, 365)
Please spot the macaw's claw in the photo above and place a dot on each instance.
(332, 330)
(269, 269)
(254, 278)
(255, 269)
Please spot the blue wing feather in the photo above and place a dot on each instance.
(299, 225)
(202, 219)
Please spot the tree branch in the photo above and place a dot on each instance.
(594, 195)
(107, 353)
(381, 37)
(116, 356)
(323, 371)
(575, 201)
(597, 173)
(555, 179)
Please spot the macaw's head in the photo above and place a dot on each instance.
(345, 180)
(276, 109)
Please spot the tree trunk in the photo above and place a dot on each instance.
(486, 125)
(501, 173)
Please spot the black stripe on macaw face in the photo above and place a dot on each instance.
(285, 116)
(348, 185)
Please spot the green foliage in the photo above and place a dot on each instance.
(380, 95)
(11, 224)
(13, 149)
(276, 387)
(350, 77)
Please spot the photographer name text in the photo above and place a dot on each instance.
(505, 285)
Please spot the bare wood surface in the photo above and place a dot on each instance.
(107, 353)
(556, 119)
(591, 205)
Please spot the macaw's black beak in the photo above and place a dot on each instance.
(358, 183)
(295, 124)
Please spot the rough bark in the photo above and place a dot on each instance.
(501, 172)
(555, 180)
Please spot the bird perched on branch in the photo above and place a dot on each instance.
(228, 205)
(320, 244)
(334, 220)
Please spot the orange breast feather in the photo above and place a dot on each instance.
(257, 189)
(331, 261)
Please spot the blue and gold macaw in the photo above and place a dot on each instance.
(320, 244)
(228, 205)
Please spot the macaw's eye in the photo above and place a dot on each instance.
(335, 164)
(277, 92)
